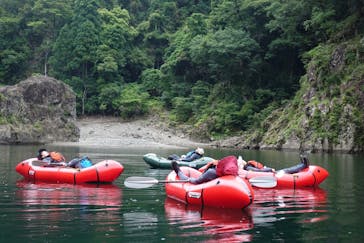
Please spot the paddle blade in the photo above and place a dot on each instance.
(264, 181)
(139, 182)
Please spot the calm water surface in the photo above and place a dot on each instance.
(112, 213)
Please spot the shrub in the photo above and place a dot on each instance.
(132, 101)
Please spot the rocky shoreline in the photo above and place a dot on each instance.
(42, 110)
(113, 131)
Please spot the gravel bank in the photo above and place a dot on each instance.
(110, 131)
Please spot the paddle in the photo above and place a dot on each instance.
(264, 181)
(138, 182)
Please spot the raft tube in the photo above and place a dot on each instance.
(103, 172)
(223, 192)
(311, 176)
(162, 163)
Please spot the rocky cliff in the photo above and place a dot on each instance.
(326, 114)
(37, 110)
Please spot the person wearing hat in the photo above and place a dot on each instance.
(193, 155)
(190, 156)
(52, 158)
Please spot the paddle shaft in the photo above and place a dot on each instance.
(144, 182)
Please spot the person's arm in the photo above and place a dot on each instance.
(208, 165)
(192, 157)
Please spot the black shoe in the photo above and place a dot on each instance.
(175, 166)
(305, 161)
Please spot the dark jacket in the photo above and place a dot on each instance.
(191, 156)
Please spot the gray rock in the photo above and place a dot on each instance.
(37, 110)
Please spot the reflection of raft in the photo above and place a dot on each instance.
(222, 224)
(103, 172)
(307, 204)
(109, 196)
(162, 163)
(225, 191)
(308, 177)
(300, 197)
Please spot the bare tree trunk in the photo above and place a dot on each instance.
(45, 64)
(84, 100)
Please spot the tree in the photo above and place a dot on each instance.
(43, 21)
(14, 48)
(230, 55)
(116, 38)
(75, 50)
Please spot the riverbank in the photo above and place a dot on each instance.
(113, 131)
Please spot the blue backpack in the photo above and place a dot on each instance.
(85, 162)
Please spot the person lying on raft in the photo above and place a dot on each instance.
(212, 170)
(296, 168)
(253, 165)
(52, 158)
(57, 159)
(190, 156)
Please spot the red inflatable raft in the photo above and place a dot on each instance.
(224, 192)
(103, 172)
(311, 176)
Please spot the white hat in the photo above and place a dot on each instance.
(200, 151)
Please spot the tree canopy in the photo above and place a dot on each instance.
(220, 62)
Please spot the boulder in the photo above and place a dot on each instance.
(38, 110)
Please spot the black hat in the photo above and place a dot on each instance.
(40, 153)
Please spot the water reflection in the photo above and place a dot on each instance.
(44, 194)
(137, 223)
(303, 206)
(55, 206)
(309, 205)
(220, 224)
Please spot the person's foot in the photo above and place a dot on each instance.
(175, 166)
(305, 161)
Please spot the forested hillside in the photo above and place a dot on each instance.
(282, 74)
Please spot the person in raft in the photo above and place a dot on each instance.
(296, 168)
(57, 159)
(253, 165)
(52, 158)
(190, 156)
(212, 170)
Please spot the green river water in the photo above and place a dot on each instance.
(113, 213)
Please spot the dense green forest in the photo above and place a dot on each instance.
(223, 66)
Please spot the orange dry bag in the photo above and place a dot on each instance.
(255, 164)
(56, 156)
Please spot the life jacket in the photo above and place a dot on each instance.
(255, 164)
(227, 166)
(57, 156)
